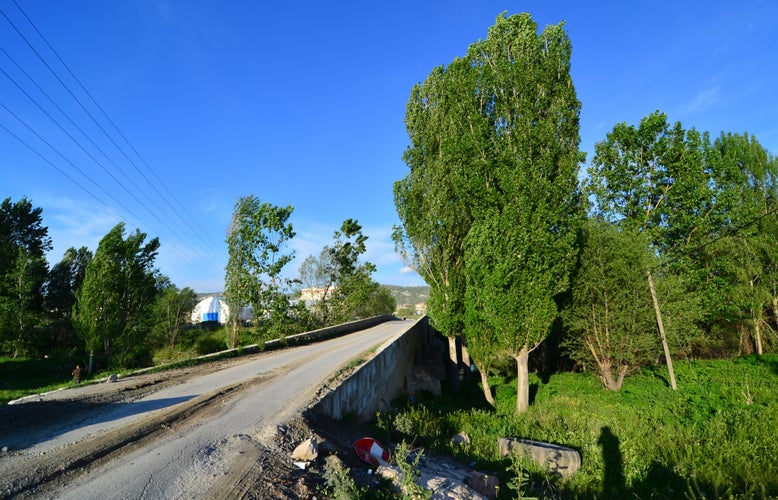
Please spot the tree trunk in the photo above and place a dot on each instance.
(487, 388)
(453, 363)
(234, 332)
(91, 362)
(522, 380)
(775, 309)
(606, 375)
(758, 335)
(661, 326)
(466, 362)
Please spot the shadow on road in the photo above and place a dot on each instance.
(28, 424)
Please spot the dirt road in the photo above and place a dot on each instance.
(216, 430)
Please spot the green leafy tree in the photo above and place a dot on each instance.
(652, 179)
(23, 269)
(318, 275)
(113, 306)
(63, 282)
(346, 290)
(610, 320)
(686, 193)
(742, 261)
(316, 272)
(451, 152)
(521, 244)
(354, 294)
(380, 301)
(172, 312)
(492, 184)
(256, 241)
(23, 300)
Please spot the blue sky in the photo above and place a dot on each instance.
(302, 103)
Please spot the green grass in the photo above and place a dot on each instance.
(714, 437)
(21, 377)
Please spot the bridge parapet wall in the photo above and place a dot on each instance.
(390, 372)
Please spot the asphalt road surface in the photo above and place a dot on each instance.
(191, 439)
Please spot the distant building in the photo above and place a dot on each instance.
(215, 308)
(313, 295)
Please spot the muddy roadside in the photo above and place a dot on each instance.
(265, 469)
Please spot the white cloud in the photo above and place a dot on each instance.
(75, 224)
(704, 100)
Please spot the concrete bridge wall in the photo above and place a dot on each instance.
(393, 370)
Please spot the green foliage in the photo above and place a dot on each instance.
(256, 242)
(339, 485)
(713, 437)
(64, 280)
(418, 425)
(520, 248)
(709, 210)
(213, 342)
(23, 270)
(113, 306)
(409, 485)
(346, 291)
(172, 313)
(610, 320)
(490, 205)
(521, 479)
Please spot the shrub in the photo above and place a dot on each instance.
(209, 343)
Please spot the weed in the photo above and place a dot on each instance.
(520, 481)
(409, 486)
(712, 437)
(339, 483)
(345, 369)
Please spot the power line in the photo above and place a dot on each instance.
(102, 129)
(100, 108)
(53, 165)
(70, 136)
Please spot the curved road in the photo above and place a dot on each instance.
(256, 396)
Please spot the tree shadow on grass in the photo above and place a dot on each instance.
(533, 391)
(614, 484)
(660, 481)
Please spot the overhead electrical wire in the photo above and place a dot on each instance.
(61, 155)
(73, 123)
(201, 236)
(75, 98)
(108, 118)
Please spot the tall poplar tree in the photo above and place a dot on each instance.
(23, 269)
(256, 243)
(449, 142)
(490, 205)
(113, 305)
(522, 243)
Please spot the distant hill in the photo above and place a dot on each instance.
(410, 295)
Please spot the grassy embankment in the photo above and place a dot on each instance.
(715, 437)
(20, 377)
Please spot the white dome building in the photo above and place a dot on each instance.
(215, 309)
